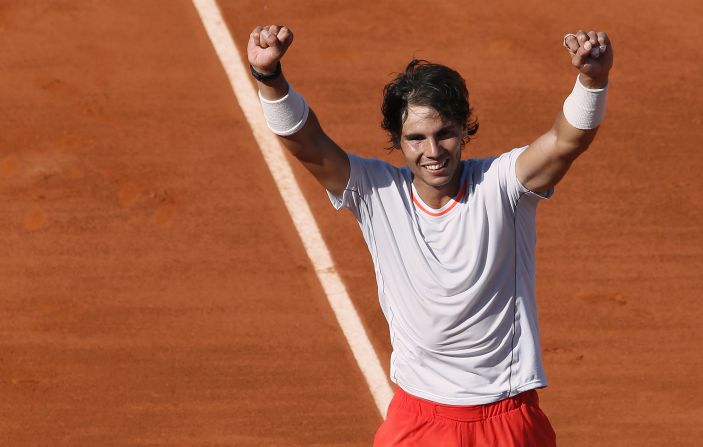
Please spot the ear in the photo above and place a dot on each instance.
(464, 137)
(395, 139)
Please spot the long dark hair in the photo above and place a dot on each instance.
(431, 85)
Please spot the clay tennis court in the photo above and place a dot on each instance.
(156, 293)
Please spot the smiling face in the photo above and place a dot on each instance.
(431, 145)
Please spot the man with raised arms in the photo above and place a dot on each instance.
(452, 240)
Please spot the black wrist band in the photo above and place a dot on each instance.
(266, 76)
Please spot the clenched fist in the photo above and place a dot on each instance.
(592, 53)
(267, 45)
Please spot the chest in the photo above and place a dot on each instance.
(449, 251)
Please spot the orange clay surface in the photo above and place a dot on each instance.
(155, 293)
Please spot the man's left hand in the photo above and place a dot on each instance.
(592, 53)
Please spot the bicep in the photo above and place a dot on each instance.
(320, 155)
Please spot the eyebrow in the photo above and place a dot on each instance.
(446, 128)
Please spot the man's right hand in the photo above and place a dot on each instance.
(267, 45)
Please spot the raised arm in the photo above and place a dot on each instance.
(287, 113)
(549, 157)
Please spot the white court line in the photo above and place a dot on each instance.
(298, 208)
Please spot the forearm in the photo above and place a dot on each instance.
(577, 124)
(272, 89)
(570, 142)
(594, 82)
(288, 115)
(286, 112)
(275, 90)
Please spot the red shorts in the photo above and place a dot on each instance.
(517, 421)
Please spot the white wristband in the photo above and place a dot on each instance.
(584, 108)
(285, 116)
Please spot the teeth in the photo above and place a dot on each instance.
(437, 166)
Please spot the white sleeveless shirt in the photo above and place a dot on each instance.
(457, 284)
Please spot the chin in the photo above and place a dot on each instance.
(438, 181)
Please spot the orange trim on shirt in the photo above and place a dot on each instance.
(456, 200)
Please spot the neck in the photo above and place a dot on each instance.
(437, 197)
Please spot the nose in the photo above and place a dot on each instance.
(432, 150)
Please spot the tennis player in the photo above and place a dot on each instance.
(452, 240)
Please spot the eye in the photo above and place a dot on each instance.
(445, 133)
